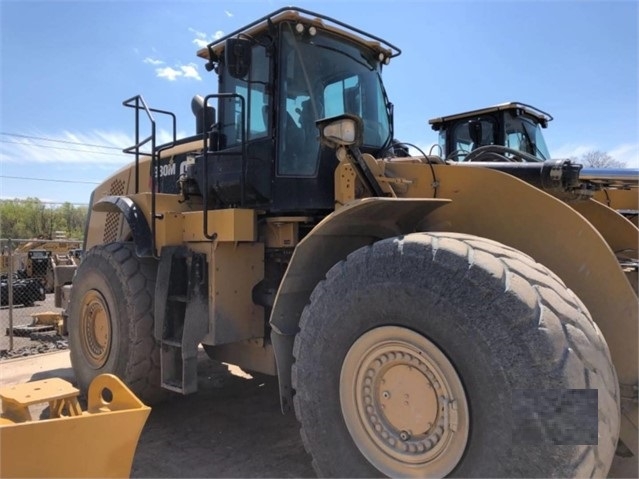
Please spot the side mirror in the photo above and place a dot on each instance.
(342, 130)
(237, 56)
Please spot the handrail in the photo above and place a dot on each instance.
(395, 51)
(137, 145)
(205, 137)
(137, 102)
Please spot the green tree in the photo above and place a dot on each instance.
(31, 218)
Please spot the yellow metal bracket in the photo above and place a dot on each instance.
(60, 395)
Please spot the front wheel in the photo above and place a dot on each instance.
(436, 355)
(403, 402)
(110, 320)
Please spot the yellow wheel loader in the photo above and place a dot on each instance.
(425, 316)
(514, 130)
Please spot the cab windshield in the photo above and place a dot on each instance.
(323, 76)
(537, 139)
(525, 135)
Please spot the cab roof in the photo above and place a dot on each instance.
(541, 116)
(215, 49)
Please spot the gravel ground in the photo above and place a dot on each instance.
(35, 343)
(232, 427)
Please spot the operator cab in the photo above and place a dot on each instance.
(277, 77)
(513, 125)
(38, 263)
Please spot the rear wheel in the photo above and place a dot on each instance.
(436, 355)
(110, 320)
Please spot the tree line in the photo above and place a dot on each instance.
(31, 218)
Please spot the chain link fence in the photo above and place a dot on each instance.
(29, 272)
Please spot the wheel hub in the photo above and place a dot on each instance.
(95, 327)
(403, 403)
(407, 398)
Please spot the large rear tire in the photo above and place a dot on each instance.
(110, 320)
(435, 355)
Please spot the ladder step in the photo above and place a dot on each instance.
(180, 322)
(176, 343)
(174, 386)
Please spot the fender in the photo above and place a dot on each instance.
(360, 223)
(618, 231)
(134, 217)
(493, 205)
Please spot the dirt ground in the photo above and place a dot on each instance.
(232, 427)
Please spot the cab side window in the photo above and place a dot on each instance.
(257, 101)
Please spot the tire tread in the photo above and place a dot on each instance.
(516, 273)
(137, 279)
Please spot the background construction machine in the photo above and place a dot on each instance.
(40, 258)
(425, 316)
(515, 130)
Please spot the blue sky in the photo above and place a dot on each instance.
(66, 67)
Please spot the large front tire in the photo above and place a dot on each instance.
(110, 320)
(436, 355)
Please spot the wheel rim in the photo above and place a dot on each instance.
(404, 404)
(95, 327)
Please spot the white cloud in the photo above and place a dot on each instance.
(202, 39)
(184, 71)
(174, 72)
(152, 61)
(169, 73)
(190, 71)
(69, 147)
(200, 43)
(165, 136)
(197, 33)
(228, 14)
(78, 148)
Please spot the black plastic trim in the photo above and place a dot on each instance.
(136, 220)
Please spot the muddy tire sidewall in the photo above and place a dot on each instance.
(493, 338)
(100, 276)
(126, 285)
